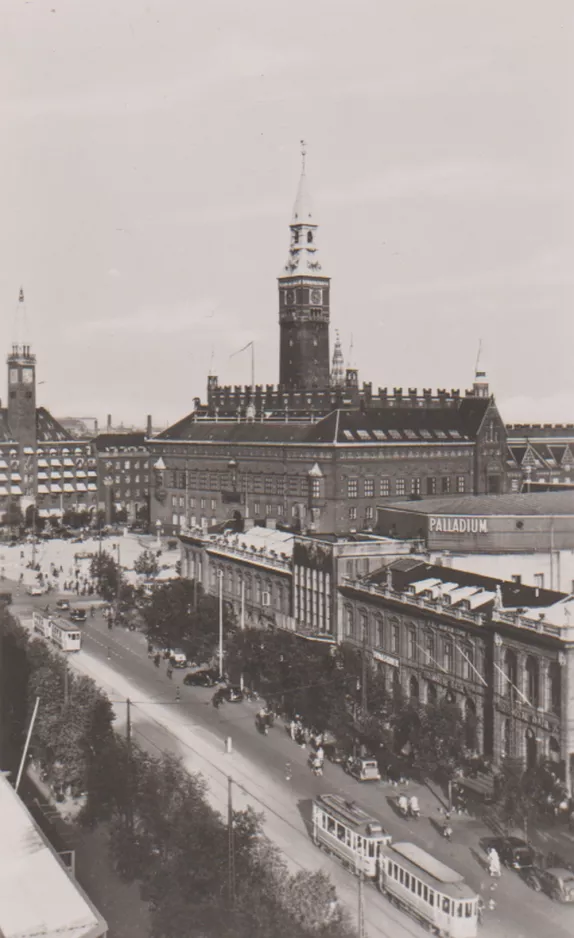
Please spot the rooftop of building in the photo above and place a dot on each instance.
(38, 897)
(406, 571)
(544, 504)
(457, 421)
(106, 442)
(560, 613)
(539, 431)
(48, 429)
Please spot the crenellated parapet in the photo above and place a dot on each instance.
(229, 399)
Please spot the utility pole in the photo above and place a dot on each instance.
(364, 702)
(220, 578)
(27, 744)
(1, 687)
(129, 726)
(231, 843)
(360, 910)
(129, 806)
(66, 684)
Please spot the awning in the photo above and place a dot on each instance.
(80, 474)
(68, 461)
(81, 487)
(15, 477)
(68, 474)
(42, 464)
(3, 464)
(56, 462)
(480, 785)
(43, 476)
(56, 488)
(28, 450)
(43, 490)
(92, 487)
(3, 490)
(3, 477)
(56, 474)
(15, 490)
(68, 487)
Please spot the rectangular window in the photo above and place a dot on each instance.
(431, 485)
(174, 501)
(385, 488)
(431, 897)
(445, 485)
(213, 504)
(539, 580)
(202, 504)
(395, 639)
(369, 513)
(407, 880)
(415, 486)
(269, 485)
(316, 488)
(256, 507)
(279, 511)
(448, 656)
(352, 488)
(461, 484)
(400, 487)
(369, 488)
(352, 514)
(268, 511)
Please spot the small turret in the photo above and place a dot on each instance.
(338, 366)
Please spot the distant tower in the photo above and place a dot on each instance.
(303, 302)
(480, 386)
(338, 365)
(22, 385)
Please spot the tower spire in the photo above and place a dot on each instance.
(338, 366)
(480, 386)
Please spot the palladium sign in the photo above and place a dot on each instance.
(455, 525)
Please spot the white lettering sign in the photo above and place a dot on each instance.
(386, 659)
(454, 525)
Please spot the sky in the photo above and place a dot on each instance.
(150, 158)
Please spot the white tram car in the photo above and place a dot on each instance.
(63, 634)
(427, 889)
(341, 827)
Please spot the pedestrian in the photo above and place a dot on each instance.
(169, 671)
(447, 829)
(493, 862)
(292, 729)
(177, 695)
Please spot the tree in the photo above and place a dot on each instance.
(436, 734)
(146, 564)
(107, 573)
(13, 516)
(180, 615)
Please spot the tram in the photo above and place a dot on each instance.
(63, 634)
(428, 890)
(342, 828)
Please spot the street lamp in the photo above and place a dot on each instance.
(220, 578)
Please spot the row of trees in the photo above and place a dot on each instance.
(332, 689)
(163, 834)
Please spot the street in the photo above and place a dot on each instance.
(271, 773)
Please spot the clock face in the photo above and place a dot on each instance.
(13, 375)
(316, 296)
(27, 375)
(289, 297)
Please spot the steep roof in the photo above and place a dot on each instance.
(48, 428)
(203, 431)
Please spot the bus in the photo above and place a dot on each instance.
(428, 890)
(342, 828)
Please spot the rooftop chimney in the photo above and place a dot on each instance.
(109, 422)
(149, 428)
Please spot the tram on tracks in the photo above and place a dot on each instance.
(342, 828)
(64, 634)
(428, 890)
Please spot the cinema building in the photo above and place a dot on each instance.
(503, 651)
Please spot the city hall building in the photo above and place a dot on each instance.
(318, 452)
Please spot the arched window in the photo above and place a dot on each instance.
(555, 679)
(467, 656)
(532, 680)
(349, 622)
(431, 693)
(309, 237)
(511, 672)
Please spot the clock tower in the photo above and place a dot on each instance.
(22, 392)
(303, 302)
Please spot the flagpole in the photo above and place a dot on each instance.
(253, 365)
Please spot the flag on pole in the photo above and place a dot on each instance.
(21, 296)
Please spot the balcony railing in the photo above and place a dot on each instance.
(257, 556)
(408, 599)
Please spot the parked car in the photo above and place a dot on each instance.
(513, 852)
(203, 678)
(78, 615)
(35, 591)
(557, 883)
(178, 659)
(62, 604)
(364, 770)
(233, 694)
(334, 753)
